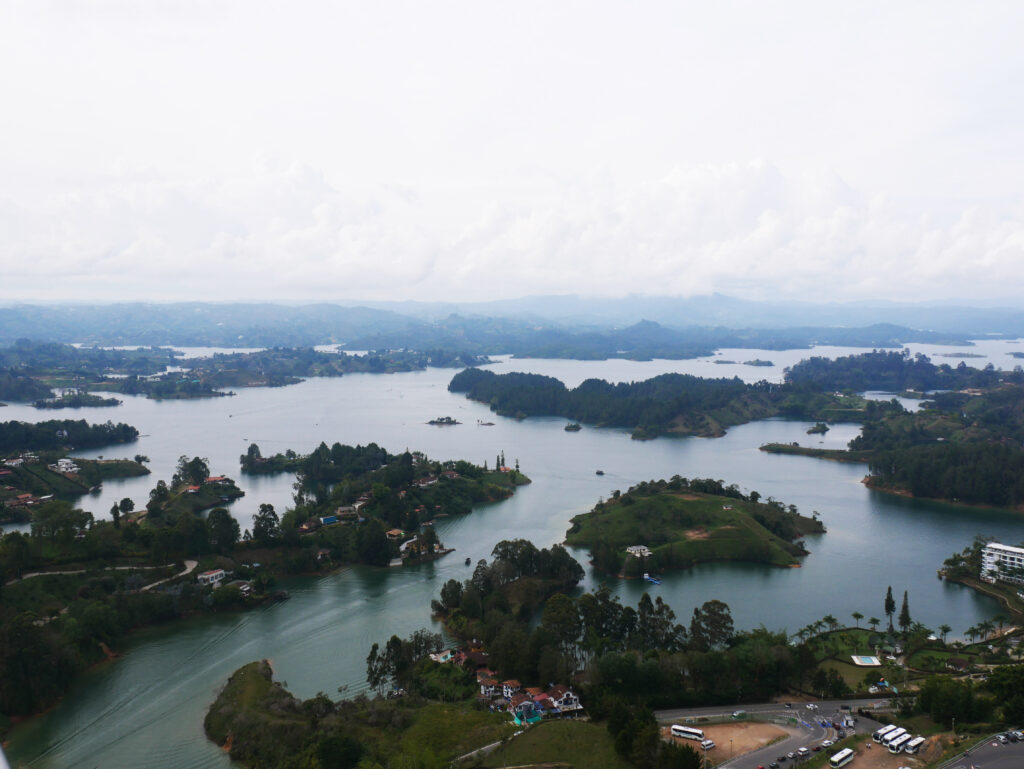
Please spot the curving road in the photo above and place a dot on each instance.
(812, 727)
(990, 754)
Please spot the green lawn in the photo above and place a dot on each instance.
(582, 744)
(454, 730)
(684, 529)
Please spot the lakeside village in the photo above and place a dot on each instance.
(13, 497)
(528, 705)
(416, 548)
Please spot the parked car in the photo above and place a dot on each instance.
(827, 744)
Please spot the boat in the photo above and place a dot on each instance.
(468, 561)
(599, 472)
(652, 580)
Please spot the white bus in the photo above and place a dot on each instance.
(914, 745)
(687, 732)
(892, 736)
(842, 758)
(877, 736)
(897, 745)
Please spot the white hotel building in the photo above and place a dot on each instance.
(1002, 559)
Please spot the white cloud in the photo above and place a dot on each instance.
(464, 150)
(748, 229)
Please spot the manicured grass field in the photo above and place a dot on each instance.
(579, 743)
(454, 730)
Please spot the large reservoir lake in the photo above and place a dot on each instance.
(146, 708)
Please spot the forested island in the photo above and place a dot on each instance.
(963, 445)
(350, 501)
(29, 369)
(669, 404)
(683, 522)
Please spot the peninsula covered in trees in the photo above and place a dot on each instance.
(683, 522)
(350, 503)
(29, 369)
(676, 404)
(963, 445)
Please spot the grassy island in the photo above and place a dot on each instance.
(685, 522)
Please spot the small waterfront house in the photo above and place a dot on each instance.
(212, 577)
(510, 687)
(639, 551)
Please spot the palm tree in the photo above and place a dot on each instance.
(874, 622)
(985, 628)
(971, 632)
(857, 617)
(1000, 619)
(831, 621)
(943, 631)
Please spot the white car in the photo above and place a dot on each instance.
(811, 706)
(827, 744)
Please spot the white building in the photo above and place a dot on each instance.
(639, 551)
(1002, 562)
(211, 577)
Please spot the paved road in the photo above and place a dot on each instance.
(990, 755)
(189, 566)
(810, 730)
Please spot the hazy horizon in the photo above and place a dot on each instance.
(264, 151)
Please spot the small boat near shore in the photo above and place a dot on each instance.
(652, 580)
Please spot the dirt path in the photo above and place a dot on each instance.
(189, 568)
(735, 739)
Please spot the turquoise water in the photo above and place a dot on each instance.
(146, 708)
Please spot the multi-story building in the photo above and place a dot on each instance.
(1002, 562)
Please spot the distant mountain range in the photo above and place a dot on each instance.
(558, 326)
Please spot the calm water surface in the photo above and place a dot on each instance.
(146, 708)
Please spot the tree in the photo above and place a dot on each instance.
(194, 471)
(711, 625)
(59, 521)
(944, 630)
(115, 516)
(857, 617)
(266, 526)
(126, 505)
(874, 622)
(561, 621)
(223, 529)
(905, 614)
(890, 606)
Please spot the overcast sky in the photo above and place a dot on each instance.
(435, 150)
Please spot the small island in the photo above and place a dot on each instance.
(75, 399)
(573, 427)
(758, 362)
(820, 428)
(444, 421)
(685, 522)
